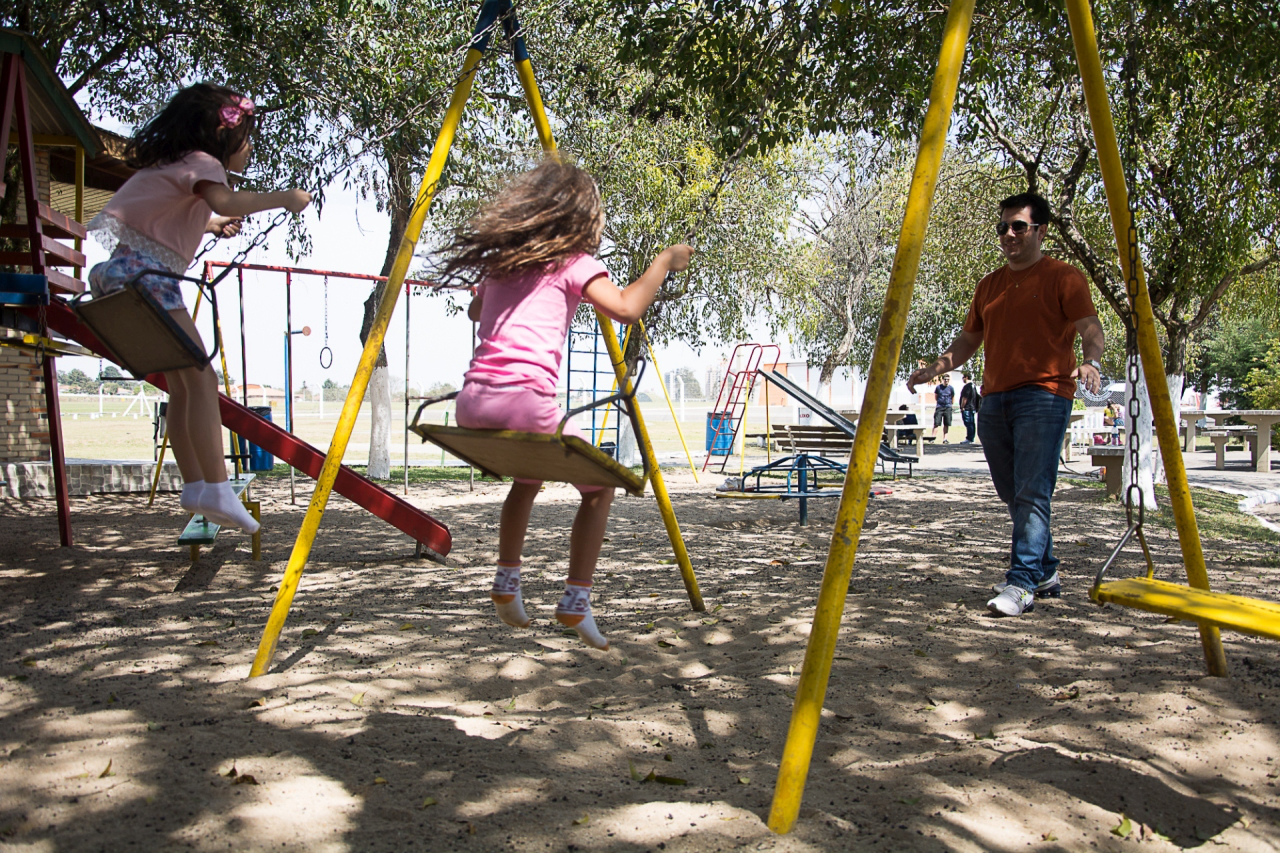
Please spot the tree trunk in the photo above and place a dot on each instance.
(1148, 453)
(400, 199)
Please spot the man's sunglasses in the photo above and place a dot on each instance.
(1018, 226)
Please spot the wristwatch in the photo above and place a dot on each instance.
(1094, 363)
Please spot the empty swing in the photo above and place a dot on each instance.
(554, 457)
(1193, 601)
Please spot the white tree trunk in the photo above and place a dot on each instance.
(1175, 381)
(380, 434)
(1148, 452)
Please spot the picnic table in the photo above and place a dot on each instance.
(1260, 419)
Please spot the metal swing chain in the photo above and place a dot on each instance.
(325, 348)
(1133, 494)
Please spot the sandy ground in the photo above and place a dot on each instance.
(400, 715)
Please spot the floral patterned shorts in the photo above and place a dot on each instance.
(110, 276)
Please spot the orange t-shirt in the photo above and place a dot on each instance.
(1027, 322)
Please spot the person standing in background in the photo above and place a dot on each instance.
(943, 397)
(970, 399)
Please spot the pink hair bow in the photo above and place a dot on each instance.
(232, 114)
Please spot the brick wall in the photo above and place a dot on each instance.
(24, 423)
(43, 185)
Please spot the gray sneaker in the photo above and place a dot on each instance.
(1012, 602)
(1050, 587)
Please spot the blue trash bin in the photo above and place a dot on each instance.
(722, 444)
(259, 459)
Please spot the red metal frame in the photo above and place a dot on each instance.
(733, 387)
(209, 265)
(307, 459)
(13, 83)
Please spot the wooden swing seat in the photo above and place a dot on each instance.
(1233, 612)
(533, 456)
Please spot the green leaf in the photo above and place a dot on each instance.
(1125, 828)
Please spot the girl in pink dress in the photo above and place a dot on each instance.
(156, 221)
(531, 251)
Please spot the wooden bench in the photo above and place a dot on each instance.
(1102, 456)
(200, 531)
(1221, 435)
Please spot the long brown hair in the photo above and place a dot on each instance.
(191, 122)
(542, 217)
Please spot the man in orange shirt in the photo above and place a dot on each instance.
(1027, 315)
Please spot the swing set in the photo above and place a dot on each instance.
(1192, 602)
(493, 13)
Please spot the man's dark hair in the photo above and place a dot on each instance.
(1035, 201)
(966, 376)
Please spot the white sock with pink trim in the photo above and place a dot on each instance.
(574, 610)
(506, 595)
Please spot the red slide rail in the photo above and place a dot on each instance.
(399, 513)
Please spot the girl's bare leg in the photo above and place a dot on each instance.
(179, 440)
(506, 580)
(585, 541)
(197, 429)
(515, 521)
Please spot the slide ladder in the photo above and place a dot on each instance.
(433, 535)
(731, 402)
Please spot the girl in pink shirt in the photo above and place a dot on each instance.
(155, 221)
(531, 252)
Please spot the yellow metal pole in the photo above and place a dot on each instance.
(814, 674)
(351, 407)
(768, 427)
(1104, 135)
(534, 100)
(671, 407)
(655, 475)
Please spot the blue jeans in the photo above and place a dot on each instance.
(970, 418)
(1021, 432)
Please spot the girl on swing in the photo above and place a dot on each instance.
(156, 220)
(531, 251)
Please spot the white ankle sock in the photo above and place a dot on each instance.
(221, 505)
(191, 495)
(506, 596)
(574, 610)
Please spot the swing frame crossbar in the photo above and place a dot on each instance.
(492, 13)
(816, 670)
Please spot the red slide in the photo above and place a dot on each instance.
(302, 456)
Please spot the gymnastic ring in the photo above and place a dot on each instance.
(322, 363)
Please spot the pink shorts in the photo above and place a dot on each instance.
(513, 407)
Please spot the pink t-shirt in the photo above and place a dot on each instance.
(524, 322)
(161, 204)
